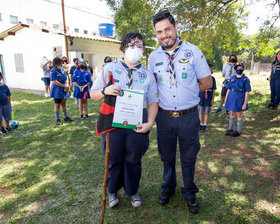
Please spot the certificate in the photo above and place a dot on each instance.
(128, 109)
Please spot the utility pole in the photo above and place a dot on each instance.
(65, 31)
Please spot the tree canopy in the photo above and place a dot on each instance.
(214, 26)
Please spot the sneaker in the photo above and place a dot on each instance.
(204, 128)
(136, 200)
(46, 94)
(274, 107)
(219, 110)
(229, 132)
(68, 119)
(200, 127)
(113, 200)
(227, 111)
(9, 129)
(270, 105)
(164, 198)
(86, 116)
(58, 122)
(193, 205)
(236, 134)
(82, 116)
(3, 130)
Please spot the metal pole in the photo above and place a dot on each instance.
(65, 31)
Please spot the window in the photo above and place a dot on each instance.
(29, 21)
(19, 63)
(43, 24)
(13, 19)
(76, 30)
(55, 26)
(85, 32)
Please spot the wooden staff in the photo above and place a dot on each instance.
(107, 157)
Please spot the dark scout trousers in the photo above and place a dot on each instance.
(127, 150)
(275, 91)
(186, 129)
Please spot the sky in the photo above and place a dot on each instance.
(259, 11)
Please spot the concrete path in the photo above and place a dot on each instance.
(39, 92)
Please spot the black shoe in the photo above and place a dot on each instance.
(274, 107)
(200, 127)
(164, 198)
(86, 116)
(229, 132)
(3, 130)
(68, 119)
(236, 134)
(9, 129)
(227, 111)
(58, 122)
(193, 205)
(270, 105)
(204, 128)
(82, 116)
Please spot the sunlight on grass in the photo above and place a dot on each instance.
(213, 167)
(267, 206)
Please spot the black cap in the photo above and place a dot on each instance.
(57, 61)
(239, 64)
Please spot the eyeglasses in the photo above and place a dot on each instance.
(136, 43)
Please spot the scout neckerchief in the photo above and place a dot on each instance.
(171, 61)
(129, 74)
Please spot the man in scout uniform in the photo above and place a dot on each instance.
(182, 72)
(127, 145)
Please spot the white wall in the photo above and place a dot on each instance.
(50, 11)
(33, 44)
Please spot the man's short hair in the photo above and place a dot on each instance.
(161, 15)
(107, 59)
(75, 59)
(128, 37)
(233, 55)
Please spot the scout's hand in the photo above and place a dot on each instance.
(144, 128)
(112, 90)
(244, 107)
(269, 78)
(82, 88)
(212, 101)
(66, 88)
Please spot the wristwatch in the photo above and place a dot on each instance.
(103, 91)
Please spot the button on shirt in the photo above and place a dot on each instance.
(142, 80)
(229, 71)
(190, 65)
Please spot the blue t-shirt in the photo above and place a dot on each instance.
(206, 97)
(73, 69)
(4, 93)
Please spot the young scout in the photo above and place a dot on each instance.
(237, 99)
(206, 102)
(128, 146)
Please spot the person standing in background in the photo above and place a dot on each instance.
(46, 65)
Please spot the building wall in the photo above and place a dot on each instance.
(33, 44)
(50, 11)
(98, 48)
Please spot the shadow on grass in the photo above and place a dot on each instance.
(54, 174)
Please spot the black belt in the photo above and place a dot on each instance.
(179, 113)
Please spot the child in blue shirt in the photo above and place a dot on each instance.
(59, 90)
(206, 102)
(237, 99)
(5, 106)
(82, 80)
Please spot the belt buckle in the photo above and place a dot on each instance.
(175, 114)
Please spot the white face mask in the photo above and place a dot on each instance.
(133, 54)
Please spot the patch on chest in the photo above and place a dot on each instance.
(142, 75)
(184, 60)
(188, 54)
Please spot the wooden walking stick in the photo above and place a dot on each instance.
(107, 157)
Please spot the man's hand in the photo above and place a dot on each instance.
(144, 128)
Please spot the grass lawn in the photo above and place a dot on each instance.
(51, 174)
